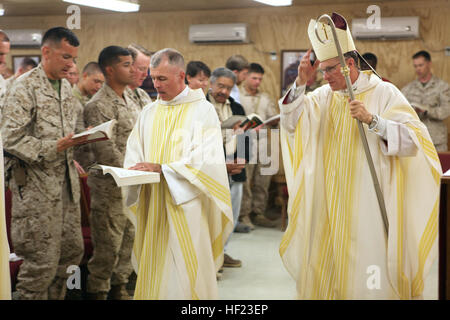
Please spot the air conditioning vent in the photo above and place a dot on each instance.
(25, 37)
(391, 28)
(219, 33)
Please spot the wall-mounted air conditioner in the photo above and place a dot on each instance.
(208, 33)
(25, 37)
(389, 28)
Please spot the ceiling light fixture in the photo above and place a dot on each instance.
(276, 3)
(2, 10)
(113, 5)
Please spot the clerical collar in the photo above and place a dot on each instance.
(361, 82)
(183, 94)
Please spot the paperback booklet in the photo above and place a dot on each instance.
(101, 132)
(125, 177)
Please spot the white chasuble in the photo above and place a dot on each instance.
(183, 221)
(335, 246)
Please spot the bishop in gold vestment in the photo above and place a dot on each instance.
(335, 246)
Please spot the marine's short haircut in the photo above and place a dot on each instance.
(222, 72)
(111, 55)
(423, 54)
(57, 34)
(174, 58)
(28, 62)
(91, 68)
(256, 68)
(237, 62)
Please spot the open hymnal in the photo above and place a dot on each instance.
(254, 119)
(125, 177)
(271, 120)
(98, 133)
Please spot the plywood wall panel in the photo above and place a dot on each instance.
(271, 29)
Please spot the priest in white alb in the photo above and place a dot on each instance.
(182, 222)
(336, 246)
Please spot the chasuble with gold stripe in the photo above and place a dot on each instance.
(335, 246)
(182, 222)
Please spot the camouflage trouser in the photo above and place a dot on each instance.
(47, 235)
(112, 236)
(256, 191)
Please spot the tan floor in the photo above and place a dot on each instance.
(263, 276)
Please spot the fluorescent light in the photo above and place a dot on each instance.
(2, 10)
(276, 3)
(113, 5)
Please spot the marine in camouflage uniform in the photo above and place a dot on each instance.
(139, 97)
(436, 95)
(256, 187)
(77, 93)
(83, 155)
(112, 232)
(45, 227)
(141, 62)
(5, 86)
(90, 82)
(3, 90)
(26, 65)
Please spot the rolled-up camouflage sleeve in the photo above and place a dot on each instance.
(16, 128)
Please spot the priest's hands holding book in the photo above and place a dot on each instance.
(146, 166)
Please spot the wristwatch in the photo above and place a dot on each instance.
(374, 122)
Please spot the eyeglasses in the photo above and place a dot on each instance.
(329, 69)
(222, 86)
